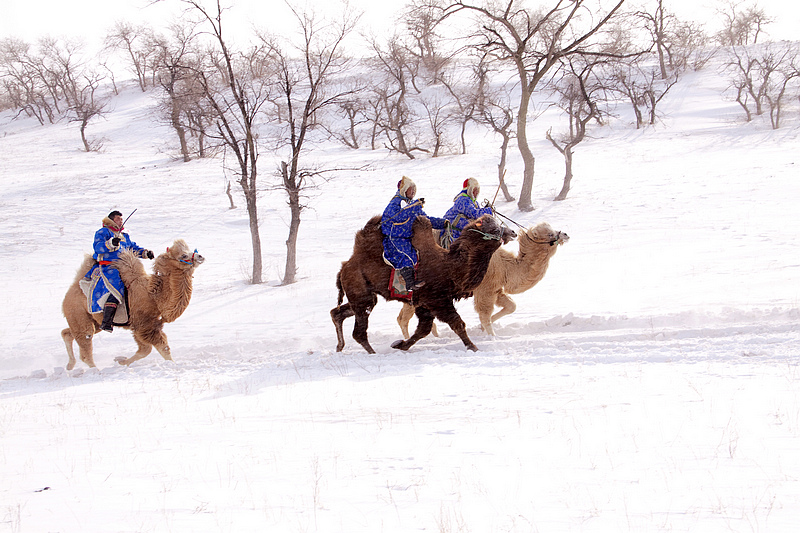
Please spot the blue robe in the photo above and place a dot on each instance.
(103, 277)
(464, 211)
(397, 226)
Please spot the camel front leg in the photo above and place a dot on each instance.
(424, 325)
(507, 306)
(141, 353)
(450, 316)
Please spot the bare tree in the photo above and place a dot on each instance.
(494, 109)
(675, 41)
(134, 41)
(236, 94)
(21, 81)
(306, 88)
(642, 85)
(439, 116)
(741, 25)
(175, 65)
(395, 71)
(761, 76)
(534, 42)
(86, 104)
(581, 94)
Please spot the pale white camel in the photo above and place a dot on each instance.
(508, 273)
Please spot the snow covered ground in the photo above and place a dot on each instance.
(650, 382)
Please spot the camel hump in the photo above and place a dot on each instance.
(88, 262)
(423, 234)
(129, 266)
(370, 236)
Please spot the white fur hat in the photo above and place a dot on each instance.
(470, 186)
(404, 184)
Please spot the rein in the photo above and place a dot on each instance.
(486, 236)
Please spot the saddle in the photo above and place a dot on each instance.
(397, 286)
(121, 317)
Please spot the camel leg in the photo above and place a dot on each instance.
(163, 347)
(144, 350)
(450, 316)
(84, 342)
(360, 329)
(424, 325)
(507, 306)
(406, 312)
(484, 305)
(338, 315)
(66, 335)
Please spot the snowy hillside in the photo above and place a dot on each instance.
(648, 383)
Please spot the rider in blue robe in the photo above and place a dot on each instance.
(107, 289)
(465, 208)
(397, 226)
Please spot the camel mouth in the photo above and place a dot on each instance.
(562, 238)
(507, 235)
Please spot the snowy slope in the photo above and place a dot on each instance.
(648, 383)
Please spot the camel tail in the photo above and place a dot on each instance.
(339, 286)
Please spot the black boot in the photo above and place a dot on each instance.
(409, 277)
(108, 317)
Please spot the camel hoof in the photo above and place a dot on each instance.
(400, 345)
(472, 347)
(121, 360)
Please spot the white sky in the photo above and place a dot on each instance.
(90, 19)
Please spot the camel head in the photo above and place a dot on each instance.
(182, 254)
(490, 229)
(542, 233)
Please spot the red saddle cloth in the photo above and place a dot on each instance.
(397, 286)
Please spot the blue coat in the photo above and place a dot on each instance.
(104, 278)
(397, 227)
(464, 211)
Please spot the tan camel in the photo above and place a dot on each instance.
(152, 300)
(508, 274)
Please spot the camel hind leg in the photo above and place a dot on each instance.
(338, 315)
(84, 343)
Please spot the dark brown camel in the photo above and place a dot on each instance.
(449, 275)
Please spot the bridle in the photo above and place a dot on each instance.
(189, 261)
(551, 242)
(486, 236)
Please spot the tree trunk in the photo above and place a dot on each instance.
(252, 211)
(529, 161)
(294, 227)
(230, 196)
(175, 119)
(83, 137)
(501, 168)
(567, 175)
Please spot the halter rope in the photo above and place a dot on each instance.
(486, 236)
